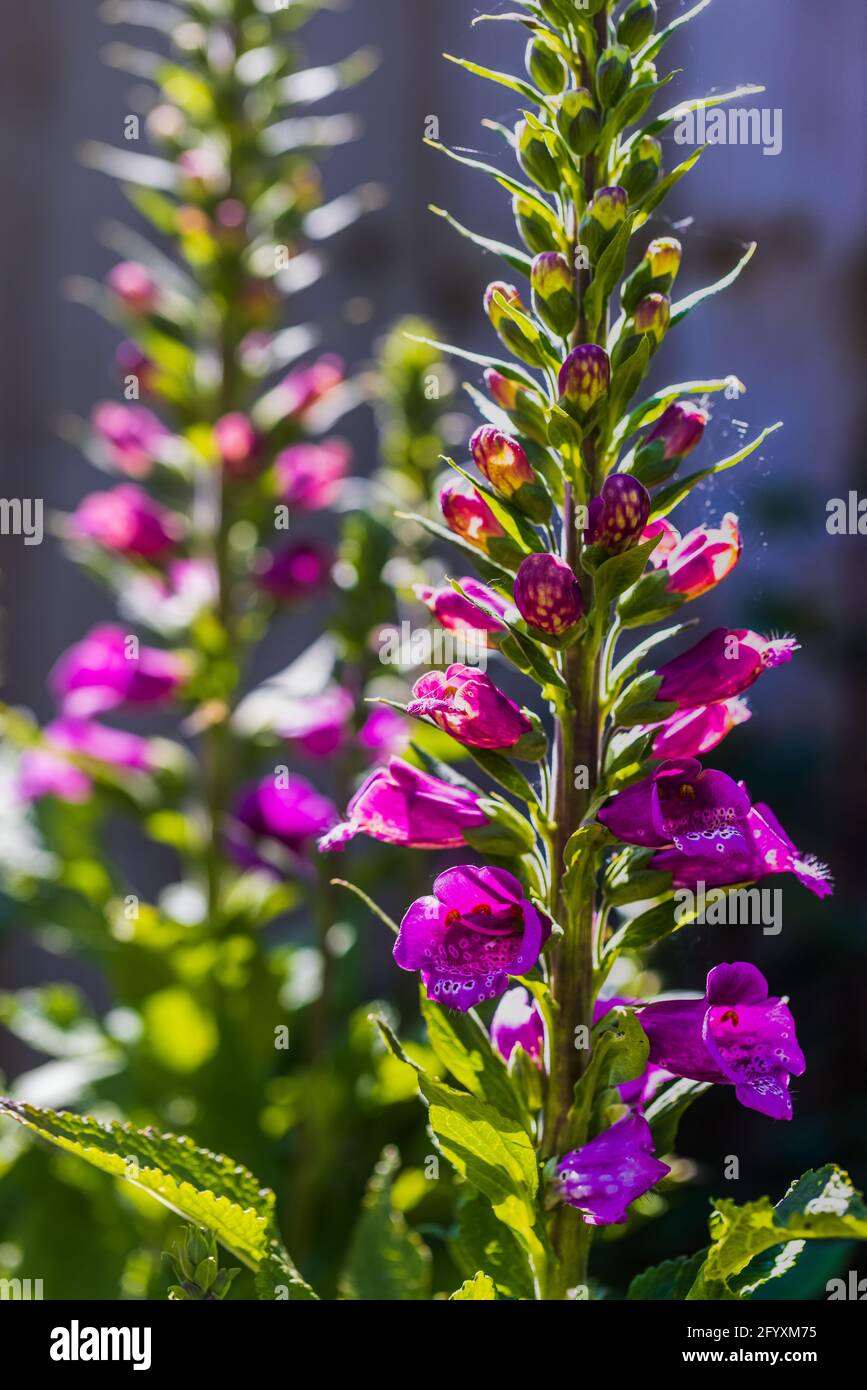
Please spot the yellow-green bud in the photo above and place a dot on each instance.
(637, 23)
(578, 122)
(545, 66)
(553, 285)
(642, 168)
(613, 74)
(536, 158)
(536, 233)
(605, 213)
(656, 271)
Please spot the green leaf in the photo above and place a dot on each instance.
(661, 189)
(657, 41)
(822, 1205)
(510, 254)
(670, 497)
(682, 307)
(669, 1281)
(503, 771)
(503, 79)
(368, 903)
(207, 1189)
(621, 572)
(461, 1042)
(278, 1279)
(667, 1108)
(508, 369)
(387, 1261)
(485, 564)
(606, 274)
(511, 185)
(627, 378)
(668, 118)
(476, 1290)
(483, 1241)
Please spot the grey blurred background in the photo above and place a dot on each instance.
(792, 329)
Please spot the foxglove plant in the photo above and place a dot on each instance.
(565, 1109)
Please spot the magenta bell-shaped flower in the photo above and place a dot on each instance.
(467, 514)
(470, 935)
(109, 668)
(698, 561)
(309, 476)
(723, 664)
(693, 732)
(603, 1177)
(133, 436)
(466, 704)
(126, 521)
(617, 517)
(401, 805)
(735, 1036)
(548, 595)
(680, 428)
(297, 571)
(517, 1023)
(134, 286)
(458, 613)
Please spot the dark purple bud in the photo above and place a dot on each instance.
(584, 379)
(547, 594)
(618, 516)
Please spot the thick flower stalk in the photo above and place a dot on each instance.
(564, 498)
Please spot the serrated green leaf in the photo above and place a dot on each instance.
(482, 1240)
(387, 1260)
(670, 1280)
(476, 1290)
(461, 1043)
(822, 1205)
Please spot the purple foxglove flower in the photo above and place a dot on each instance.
(238, 444)
(723, 664)
(319, 723)
(297, 571)
(309, 476)
(746, 851)
(401, 805)
(458, 613)
(678, 799)
(735, 1036)
(466, 704)
(692, 732)
(132, 434)
(116, 747)
(584, 379)
(548, 595)
(617, 517)
(288, 810)
(603, 1177)
(501, 460)
(107, 669)
(680, 428)
(467, 514)
(699, 560)
(134, 286)
(517, 1022)
(466, 939)
(126, 521)
(170, 602)
(384, 732)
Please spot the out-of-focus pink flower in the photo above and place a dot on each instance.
(309, 476)
(171, 601)
(127, 521)
(109, 668)
(45, 771)
(131, 361)
(133, 435)
(300, 569)
(237, 444)
(458, 613)
(204, 168)
(692, 732)
(699, 560)
(283, 808)
(384, 732)
(319, 723)
(134, 285)
(303, 387)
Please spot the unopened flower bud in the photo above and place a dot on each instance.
(536, 234)
(676, 433)
(545, 66)
(553, 285)
(637, 23)
(503, 462)
(548, 595)
(510, 333)
(652, 316)
(605, 213)
(535, 156)
(618, 516)
(613, 74)
(657, 272)
(525, 406)
(578, 121)
(584, 379)
(642, 167)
